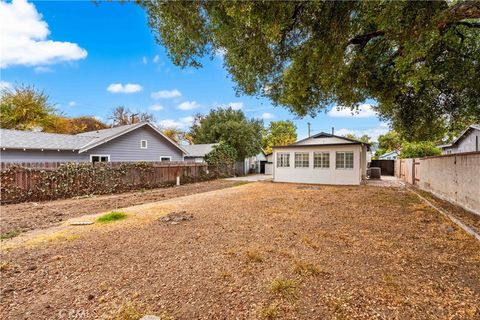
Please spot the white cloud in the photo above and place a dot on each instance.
(156, 107)
(188, 105)
(42, 69)
(124, 88)
(166, 94)
(181, 123)
(156, 59)
(363, 111)
(72, 104)
(144, 60)
(371, 132)
(24, 38)
(5, 85)
(267, 116)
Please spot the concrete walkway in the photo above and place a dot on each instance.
(253, 177)
(384, 181)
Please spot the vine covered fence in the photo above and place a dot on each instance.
(22, 182)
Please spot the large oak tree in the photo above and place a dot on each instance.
(419, 60)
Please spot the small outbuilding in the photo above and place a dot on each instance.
(321, 159)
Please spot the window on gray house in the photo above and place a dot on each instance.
(99, 158)
(143, 144)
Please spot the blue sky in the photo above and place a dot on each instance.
(90, 58)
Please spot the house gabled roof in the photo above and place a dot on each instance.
(320, 135)
(199, 150)
(105, 135)
(470, 128)
(17, 139)
(328, 135)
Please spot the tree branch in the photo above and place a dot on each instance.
(363, 39)
(461, 11)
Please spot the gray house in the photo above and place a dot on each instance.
(467, 141)
(137, 142)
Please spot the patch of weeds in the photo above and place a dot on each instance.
(9, 235)
(128, 312)
(253, 255)
(5, 266)
(111, 216)
(310, 243)
(306, 268)
(272, 311)
(286, 288)
(240, 183)
(225, 275)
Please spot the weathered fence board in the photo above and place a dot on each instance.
(22, 182)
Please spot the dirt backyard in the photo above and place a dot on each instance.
(256, 251)
(17, 218)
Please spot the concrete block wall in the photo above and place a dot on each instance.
(455, 177)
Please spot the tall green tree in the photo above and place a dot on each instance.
(418, 59)
(363, 138)
(231, 127)
(25, 107)
(279, 133)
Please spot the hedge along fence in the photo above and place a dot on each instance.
(49, 181)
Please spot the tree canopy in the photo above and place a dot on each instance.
(25, 108)
(363, 138)
(419, 150)
(418, 59)
(221, 154)
(122, 115)
(279, 133)
(231, 127)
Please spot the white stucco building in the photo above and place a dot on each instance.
(321, 159)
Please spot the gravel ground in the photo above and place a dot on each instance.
(261, 250)
(22, 217)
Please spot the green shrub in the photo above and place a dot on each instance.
(419, 150)
(111, 216)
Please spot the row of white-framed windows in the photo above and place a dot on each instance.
(344, 160)
(283, 160)
(302, 159)
(321, 160)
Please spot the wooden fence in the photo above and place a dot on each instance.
(22, 182)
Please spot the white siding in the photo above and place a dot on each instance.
(329, 175)
(323, 140)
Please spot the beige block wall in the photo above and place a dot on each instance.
(455, 178)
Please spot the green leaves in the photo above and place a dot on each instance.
(419, 60)
(279, 133)
(231, 127)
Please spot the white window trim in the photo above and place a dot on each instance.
(100, 155)
(169, 158)
(146, 144)
(278, 162)
(329, 158)
(295, 162)
(344, 160)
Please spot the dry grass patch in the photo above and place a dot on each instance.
(253, 255)
(286, 288)
(272, 311)
(305, 268)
